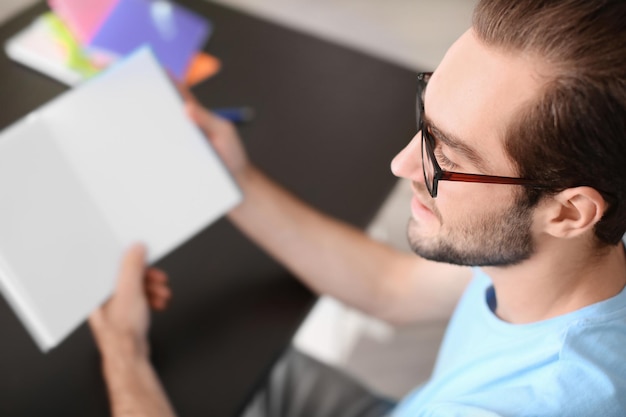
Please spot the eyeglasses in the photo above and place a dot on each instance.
(432, 171)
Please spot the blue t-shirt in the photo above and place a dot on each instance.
(572, 365)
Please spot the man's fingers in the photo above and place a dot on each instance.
(157, 289)
(132, 270)
(199, 117)
(196, 112)
(158, 296)
(95, 318)
(129, 282)
(184, 92)
(209, 122)
(156, 275)
(158, 304)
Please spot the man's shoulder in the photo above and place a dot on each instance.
(597, 342)
(590, 373)
(598, 333)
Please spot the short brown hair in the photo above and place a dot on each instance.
(574, 134)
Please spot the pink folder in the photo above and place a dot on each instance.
(83, 17)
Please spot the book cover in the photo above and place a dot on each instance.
(174, 33)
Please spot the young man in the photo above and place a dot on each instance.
(519, 168)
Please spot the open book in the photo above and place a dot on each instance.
(109, 163)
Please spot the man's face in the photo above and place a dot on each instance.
(469, 102)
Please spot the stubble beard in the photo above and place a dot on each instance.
(503, 239)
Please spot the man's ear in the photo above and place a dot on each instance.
(574, 211)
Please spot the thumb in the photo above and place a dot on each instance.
(203, 118)
(132, 269)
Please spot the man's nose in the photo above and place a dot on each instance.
(408, 162)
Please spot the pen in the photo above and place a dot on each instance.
(235, 114)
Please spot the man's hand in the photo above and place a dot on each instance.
(120, 328)
(121, 325)
(220, 132)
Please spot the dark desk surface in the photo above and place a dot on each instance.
(329, 120)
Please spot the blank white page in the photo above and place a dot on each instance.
(147, 166)
(58, 256)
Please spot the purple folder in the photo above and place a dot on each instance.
(174, 32)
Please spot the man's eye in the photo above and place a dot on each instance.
(443, 160)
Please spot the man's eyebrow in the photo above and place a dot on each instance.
(455, 144)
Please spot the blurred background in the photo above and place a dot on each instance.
(413, 34)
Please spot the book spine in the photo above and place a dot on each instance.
(17, 298)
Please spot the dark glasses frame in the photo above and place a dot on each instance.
(428, 151)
